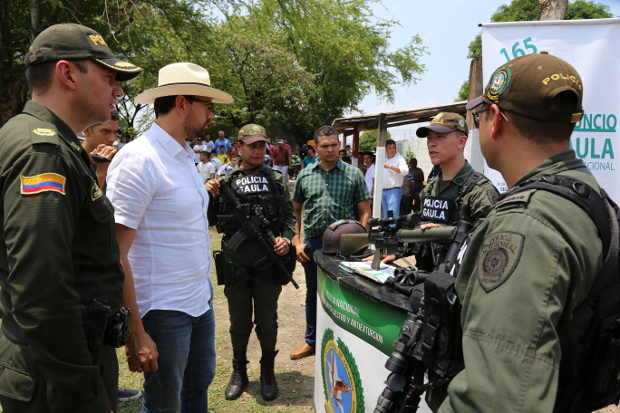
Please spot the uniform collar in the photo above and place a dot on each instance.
(46, 115)
(563, 161)
(167, 142)
(461, 177)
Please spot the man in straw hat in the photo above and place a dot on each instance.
(162, 229)
(59, 274)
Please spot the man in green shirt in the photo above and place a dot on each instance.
(325, 191)
(529, 267)
(60, 276)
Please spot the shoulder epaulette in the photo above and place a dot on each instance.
(519, 199)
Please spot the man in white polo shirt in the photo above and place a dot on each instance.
(160, 209)
(395, 169)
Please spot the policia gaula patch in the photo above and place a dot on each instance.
(499, 257)
(438, 210)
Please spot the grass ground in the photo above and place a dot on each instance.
(295, 378)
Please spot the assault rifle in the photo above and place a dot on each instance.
(254, 225)
(429, 342)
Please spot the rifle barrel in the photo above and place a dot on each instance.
(431, 234)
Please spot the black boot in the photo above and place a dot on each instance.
(238, 379)
(268, 384)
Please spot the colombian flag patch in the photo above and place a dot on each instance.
(47, 182)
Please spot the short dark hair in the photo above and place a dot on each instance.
(390, 142)
(325, 130)
(39, 76)
(164, 104)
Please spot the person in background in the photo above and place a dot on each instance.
(325, 191)
(395, 169)
(98, 143)
(281, 156)
(369, 174)
(310, 157)
(206, 168)
(412, 186)
(222, 146)
(344, 157)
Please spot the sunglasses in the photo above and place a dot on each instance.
(476, 116)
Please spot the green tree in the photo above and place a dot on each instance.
(528, 10)
(368, 140)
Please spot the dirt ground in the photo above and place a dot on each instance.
(295, 378)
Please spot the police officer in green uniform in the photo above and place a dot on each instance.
(60, 278)
(456, 192)
(529, 267)
(250, 278)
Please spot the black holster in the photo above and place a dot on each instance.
(104, 326)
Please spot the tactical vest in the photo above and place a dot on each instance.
(442, 210)
(590, 365)
(259, 189)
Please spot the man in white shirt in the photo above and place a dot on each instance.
(160, 207)
(369, 175)
(395, 170)
(206, 168)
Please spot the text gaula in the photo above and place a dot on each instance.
(252, 184)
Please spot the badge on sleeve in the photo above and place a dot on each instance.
(46, 182)
(499, 257)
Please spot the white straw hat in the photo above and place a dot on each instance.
(183, 78)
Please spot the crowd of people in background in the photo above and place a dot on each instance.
(403, 179)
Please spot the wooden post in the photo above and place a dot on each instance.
(472, 151)
(379, 170)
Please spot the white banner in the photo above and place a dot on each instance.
(591, 46)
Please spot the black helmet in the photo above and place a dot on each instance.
(333, 245)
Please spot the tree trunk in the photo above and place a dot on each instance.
(34, 18)
(553, 9)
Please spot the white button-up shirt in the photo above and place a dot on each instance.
(155, 189)
(390, 178)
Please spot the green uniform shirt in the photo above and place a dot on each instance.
(59, 253)
(527, 266)
(328, 196)
(477, 200)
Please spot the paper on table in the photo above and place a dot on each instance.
(364, 268)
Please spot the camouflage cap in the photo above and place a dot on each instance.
(72, 41)
(251, 133)
(529, 85)
(444, 122)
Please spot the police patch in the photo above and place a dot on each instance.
(499, 257)
(498, 84)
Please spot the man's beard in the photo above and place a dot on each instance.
(194, 132)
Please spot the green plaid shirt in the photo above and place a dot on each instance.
(328, 196)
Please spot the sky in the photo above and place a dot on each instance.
(446, 28)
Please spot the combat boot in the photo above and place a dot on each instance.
(268, 384)
(238, 379)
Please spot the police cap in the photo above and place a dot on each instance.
(250, 133)
(529, 85)
(444, 122)
(72, 41)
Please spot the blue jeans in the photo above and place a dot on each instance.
(390, 201)
(186, 348)
(312, 244)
